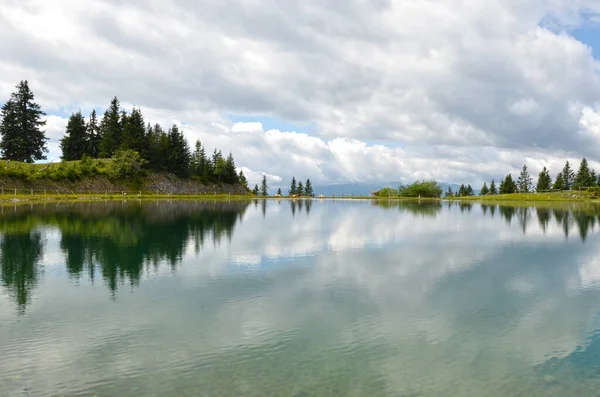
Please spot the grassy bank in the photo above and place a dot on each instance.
(550, 196)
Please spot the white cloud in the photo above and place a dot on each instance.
(436, 85)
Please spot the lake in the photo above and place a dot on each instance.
(299, 298)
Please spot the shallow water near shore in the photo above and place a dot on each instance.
(299, 298)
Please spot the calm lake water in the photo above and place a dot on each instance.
(298, 299)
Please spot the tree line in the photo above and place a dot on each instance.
(566, 179)
(117, 135)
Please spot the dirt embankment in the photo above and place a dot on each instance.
(153, 183)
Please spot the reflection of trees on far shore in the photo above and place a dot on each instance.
(114, 240)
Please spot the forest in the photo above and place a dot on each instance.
(132, 145)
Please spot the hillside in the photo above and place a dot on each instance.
(98, 177)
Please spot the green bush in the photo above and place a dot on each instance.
(126, 164)
(421, 189)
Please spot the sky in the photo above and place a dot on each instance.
(461, 91)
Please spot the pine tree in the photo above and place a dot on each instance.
(158, 148)
(264, 187)
(568, 176)
(279, 191)
(217, 165)
(293, 187)
(300, 189)
(93, 136)
(462, 190)
(508, 186)
(255, 191)
(134, 133)
(230, 171)
(484, 190)
(493, 190)
(243, 180)
(584, 178)
(559, 182)
(308, 190)
(449, 193)
(196, 160)
(74, 144)
(544, 181)
(470, 191)
(524, 183)
(20, 127)
(178, 153)
(110, 130)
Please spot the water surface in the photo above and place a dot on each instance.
(299, 298)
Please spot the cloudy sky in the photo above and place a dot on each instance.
(355, 90)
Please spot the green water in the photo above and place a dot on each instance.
(303, 298)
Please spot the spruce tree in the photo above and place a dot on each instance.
(544, 181)
(196, 160)
(568, 176)
(158, 148)
(218, 165)
(110, 130)
(230, 171)
(508, 186)
(484, 190)
(93, 136)
(493, 189)
(21, 127)
(134, 133)
(178, 153)
(255, 191)
(243, 180)
(279, 191)
(470, 191)
(264, 187)
(524, 183)
(559, 182)
(300, 189)
(74, 144)
(584, 178)
(293, 187)
(308, 190)
(449, 193)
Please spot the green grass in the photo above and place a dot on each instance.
(550, 196)
(58, 171)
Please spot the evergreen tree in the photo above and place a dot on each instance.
(462, 190)
(559, 182)
(196, 160)
(308, 190)
(293, 187)
(243, 180)
(264, 187)
(568, 176)
(508, 186)
(470, 191)
(178, 153)
(74, 144)
(218, 165)
(110, 130)
(300, 189)
(158, 148)
(255, 191)
(93, 136)
(493, 189)
(449, 193)
(279, 191)
(230, 171)
(584, 177)
(134, 133)
(524, 183)
(484, 190)
(544, 181)
(20, 127)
